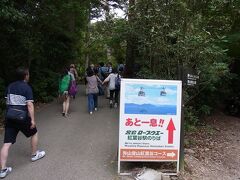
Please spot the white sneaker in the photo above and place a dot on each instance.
(90, 112)
(95, 109)
(5, 172)
(111, 103)
(66, 115)
(38, 155)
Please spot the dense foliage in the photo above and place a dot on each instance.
(168, 39)
(45, 36)
(187, 36)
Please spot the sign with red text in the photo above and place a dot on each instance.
(150, 120)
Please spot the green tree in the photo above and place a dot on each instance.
(173, 34)
(43, 35)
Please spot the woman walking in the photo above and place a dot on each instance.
(92, 90)
(114, 86)
(64, 86)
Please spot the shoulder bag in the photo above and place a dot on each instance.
(14, 113)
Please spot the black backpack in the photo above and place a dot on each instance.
(117, 82)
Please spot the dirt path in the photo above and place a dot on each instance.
(213, 151)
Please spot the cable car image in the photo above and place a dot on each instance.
(163, 92)
(141, 92)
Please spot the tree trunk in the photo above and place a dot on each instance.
(131, 44)
(88, 37)
(108, 18)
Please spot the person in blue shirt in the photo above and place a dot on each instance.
(102, 71)
(19, 94)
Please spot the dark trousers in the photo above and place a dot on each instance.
(114, 93)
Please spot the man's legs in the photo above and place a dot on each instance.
(36, 154)
(9, 139)
(34, 143)
(4, 154)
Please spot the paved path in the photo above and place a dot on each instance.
(80, 147)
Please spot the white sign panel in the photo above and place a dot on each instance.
(150, 120)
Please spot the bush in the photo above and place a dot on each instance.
(190, 118)
(2, 99)
(45, 89)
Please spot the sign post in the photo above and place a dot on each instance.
(189, 77)
(149, 121)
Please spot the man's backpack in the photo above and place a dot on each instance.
(117, 82)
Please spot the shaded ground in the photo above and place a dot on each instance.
(213, 151)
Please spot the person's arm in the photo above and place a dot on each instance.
(106, 80)
(76, 74)
(30, 107)
(99, 80)
(6, 94)
(86, 80)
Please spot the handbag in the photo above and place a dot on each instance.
(16, 114)
(73, 88)
(95, 90)
(101, 91)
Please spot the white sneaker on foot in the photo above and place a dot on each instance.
(66, 115)
(95, 109)
(5, 172)
(38, 155)
(90, 112)
(111, 103)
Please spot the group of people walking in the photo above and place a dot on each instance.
(99, 80)
(20, 116)
(102, 80)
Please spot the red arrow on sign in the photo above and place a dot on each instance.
(170, 129)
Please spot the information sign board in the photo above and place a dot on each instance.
(149, 121)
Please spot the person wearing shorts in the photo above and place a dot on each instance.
(64, 86)
(12, 129)
(19, 94)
